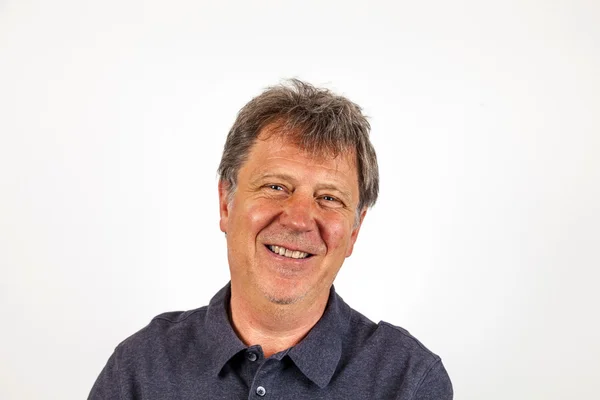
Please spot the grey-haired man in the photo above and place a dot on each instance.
(297, 176)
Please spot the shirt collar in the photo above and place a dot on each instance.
(319, 353)
(316, 356)
(224, 341)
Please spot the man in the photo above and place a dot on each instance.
(297, 175)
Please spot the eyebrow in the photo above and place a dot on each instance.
(279, 176)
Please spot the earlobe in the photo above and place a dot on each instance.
(355, 231)
(223, 205)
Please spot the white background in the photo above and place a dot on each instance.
(485, 243)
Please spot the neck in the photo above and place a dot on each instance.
(275, 327)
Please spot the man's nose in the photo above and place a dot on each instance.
(298, 212)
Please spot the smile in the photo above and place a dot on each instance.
(282, 251)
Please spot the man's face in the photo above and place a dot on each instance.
(290, 222)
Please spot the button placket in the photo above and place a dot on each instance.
(263, 382)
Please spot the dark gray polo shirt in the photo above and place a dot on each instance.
(197, 355)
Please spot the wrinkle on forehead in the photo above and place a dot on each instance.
(333, 167)
(325, 150)
(281, 149)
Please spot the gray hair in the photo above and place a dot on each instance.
(317, 120)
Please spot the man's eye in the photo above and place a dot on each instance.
(275, 187)
(332, 201)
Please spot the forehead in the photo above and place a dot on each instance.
(272, 147)
(274, 153)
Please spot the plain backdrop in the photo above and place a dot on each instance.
(485, 242)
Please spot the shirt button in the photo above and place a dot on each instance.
(261, 391)
(252, 356)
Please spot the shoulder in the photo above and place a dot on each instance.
(392, 339)
(164, 332)
(178, 318)
(151, 357)
(389, 349)
(398, 360)
(400, 339)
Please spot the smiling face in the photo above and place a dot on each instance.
(290, 223)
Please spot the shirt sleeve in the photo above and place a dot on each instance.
(436, 385)
(107, 385)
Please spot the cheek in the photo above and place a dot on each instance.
(255, 216)
(336, 235)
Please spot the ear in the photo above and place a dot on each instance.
(354, 234)
(223, 205)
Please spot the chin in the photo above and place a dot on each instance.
(283, 301)
(279, 295)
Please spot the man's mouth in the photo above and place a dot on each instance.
(282, 251)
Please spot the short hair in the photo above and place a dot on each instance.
(317, 120)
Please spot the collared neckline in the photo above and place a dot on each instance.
(319, 353)
(225, 342)
(316, 356)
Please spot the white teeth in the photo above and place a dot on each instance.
(282, 251)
